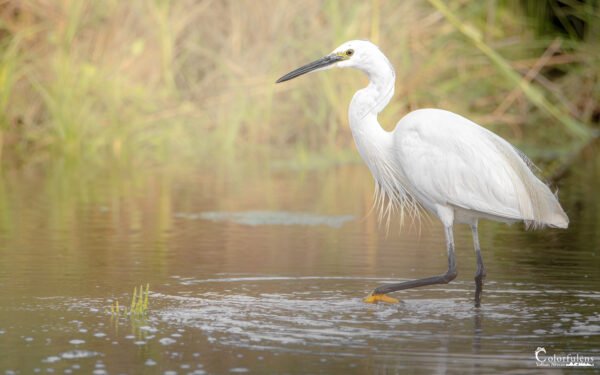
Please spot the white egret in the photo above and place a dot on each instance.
(437, 161)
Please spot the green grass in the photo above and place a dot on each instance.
(138, 307)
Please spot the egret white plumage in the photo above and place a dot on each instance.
(438, 161)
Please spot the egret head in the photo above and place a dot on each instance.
(352, 54)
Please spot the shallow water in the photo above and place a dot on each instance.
(264, 271)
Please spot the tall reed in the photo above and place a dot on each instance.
(149, 81)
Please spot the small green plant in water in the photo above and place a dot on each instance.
(139, 306)
(139, 303)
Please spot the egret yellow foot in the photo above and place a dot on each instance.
(374, 298)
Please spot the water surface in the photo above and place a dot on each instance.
(264, 271)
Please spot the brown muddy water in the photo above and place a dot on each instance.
(263, 270)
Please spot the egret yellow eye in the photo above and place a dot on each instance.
(349, 52)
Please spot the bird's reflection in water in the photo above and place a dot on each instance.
(477, 322)
(478, 290)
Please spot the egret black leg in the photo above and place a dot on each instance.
(441, 279)
(480, 273)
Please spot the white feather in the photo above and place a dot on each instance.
(440, 161)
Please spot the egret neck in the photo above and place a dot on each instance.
(371, 139)
(373, 98)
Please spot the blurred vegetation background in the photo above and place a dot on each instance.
(157, 81)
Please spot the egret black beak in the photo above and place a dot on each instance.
(321, 63)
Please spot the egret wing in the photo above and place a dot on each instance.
(451, 160)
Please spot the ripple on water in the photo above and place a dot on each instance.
(167, 341)
(326, 316)
(150, 362)
(79, 354)
(52, 359)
